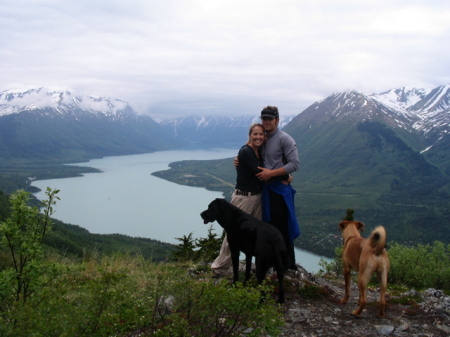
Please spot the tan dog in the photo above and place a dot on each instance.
(364, 256)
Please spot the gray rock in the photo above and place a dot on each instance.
(403, 327)
(385, 330)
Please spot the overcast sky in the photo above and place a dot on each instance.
(174, 57)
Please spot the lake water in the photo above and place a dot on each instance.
(126, 199)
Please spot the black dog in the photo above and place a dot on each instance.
(253, 237)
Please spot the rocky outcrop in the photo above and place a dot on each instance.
(323, 315)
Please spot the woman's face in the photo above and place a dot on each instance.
(257, 137)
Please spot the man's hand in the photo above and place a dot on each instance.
(265, 174)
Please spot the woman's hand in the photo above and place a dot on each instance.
(289, 180)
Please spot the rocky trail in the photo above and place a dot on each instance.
(320, 313)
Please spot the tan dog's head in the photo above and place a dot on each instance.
(351, 228)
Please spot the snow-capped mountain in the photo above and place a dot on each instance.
(61, 102)
(40, 123)
(402, 133)
(427, 112)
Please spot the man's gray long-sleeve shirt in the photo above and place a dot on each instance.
(280, 150)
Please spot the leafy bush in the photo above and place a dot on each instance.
(208, 309)
(422, 266)
(335, 266)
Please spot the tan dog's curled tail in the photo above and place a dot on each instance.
(378, 240)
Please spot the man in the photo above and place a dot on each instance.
(280, 156)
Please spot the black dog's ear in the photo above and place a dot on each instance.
(220, 203)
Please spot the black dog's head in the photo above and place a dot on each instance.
(210, 215)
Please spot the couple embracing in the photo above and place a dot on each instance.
(264, 166)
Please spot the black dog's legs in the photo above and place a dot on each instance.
(235, 263)
(261, 273)
(248, 266)
(280, 276)
(260, 276)
(280, 269)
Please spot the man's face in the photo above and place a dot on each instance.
(270, 124)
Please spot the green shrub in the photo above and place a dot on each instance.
(422, 266)
(310, 291)
(208, 309)
(335, 266)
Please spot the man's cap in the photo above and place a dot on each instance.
(267, 112)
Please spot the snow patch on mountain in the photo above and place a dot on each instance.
(401, 97)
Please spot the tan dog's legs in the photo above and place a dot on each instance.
(347, 285)
(383, 286)
(362, 286)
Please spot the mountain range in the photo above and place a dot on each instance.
(385, 155)
(44, 124)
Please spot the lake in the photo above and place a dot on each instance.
(126, 199)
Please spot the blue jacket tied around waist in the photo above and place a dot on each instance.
(288, 192)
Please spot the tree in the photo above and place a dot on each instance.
(185, 249)
(209, 247)
(349, 215)
(21, 237)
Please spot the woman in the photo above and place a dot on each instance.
(247, 192)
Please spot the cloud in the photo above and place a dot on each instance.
(178, 57)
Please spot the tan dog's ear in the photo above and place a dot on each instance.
(360, 226)
(342, 225)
